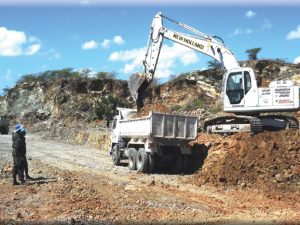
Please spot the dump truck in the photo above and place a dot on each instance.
(4, 126)
(160, 139)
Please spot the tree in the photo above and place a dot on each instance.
(214, 64)
(172, 77)
(106, 75)
(252, 53)
(86, 72)
(106, 108)
(5, 91)
(155, 81)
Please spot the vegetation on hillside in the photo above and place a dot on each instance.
(175, 79)
(51, 75)
(214, 64)
(106, 108)
(252, 53)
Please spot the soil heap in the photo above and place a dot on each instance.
(269, 160)
(159, 107)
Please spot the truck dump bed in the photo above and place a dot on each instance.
(160, 125)
(4, 122)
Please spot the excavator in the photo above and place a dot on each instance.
(240, 94)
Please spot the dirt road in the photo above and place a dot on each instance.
(79, 185)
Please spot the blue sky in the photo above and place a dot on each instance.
(93, 34)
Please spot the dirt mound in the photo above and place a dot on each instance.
(270, 160)
(159, 107)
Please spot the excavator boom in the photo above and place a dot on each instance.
(206, 44)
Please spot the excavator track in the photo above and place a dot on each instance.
(288, 122)
(256, 126)
(293, 122)
(233, 124)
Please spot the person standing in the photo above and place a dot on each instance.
(24, 162)
(17, 156)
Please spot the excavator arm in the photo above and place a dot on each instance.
(206, 44)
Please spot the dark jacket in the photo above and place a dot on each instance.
(23, 145)
(17, 145)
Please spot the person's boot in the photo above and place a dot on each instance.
(28, 177)
(15, 181)
(23, 182)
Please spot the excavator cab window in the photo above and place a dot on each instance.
(247, 80)
(234, 89)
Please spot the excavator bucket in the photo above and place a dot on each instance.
(137, 85)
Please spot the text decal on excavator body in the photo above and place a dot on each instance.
(188, 41)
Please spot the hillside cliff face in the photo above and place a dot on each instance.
(68, 100)
(65, 100)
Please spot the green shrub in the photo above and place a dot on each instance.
(190, 106)
(175, 107)
(106, 108)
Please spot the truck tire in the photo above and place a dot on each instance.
(150, 163)
(185, 163)
(177, 166)
(132, 158)
(142, 160)
(115, 155)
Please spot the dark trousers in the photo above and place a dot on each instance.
(25, 166)
(18, 168)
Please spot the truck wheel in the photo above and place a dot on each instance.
(132, 158)
(150, 163)
(115, 156)
(177, 166)
(142, 160)
(185, 163)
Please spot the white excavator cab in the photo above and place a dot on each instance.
(239, 89)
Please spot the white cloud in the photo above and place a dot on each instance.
(249, 14)
(32, 49)
(294, 34)
(56, 56)
(84, 2)
(169, 58)
(241, 31)
(33, 39)
(203, 68)
(119, 40)
(106, 43)
(297, 60)
(53, 54)
(189, 58)
(267, 25)
(127, 55)
(7, 76)
(11, 43)
(89, 45)
(237, 31)
(41, 68)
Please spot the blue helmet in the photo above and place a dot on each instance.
(23, 131)
(18, 127)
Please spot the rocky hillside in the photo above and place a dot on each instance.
(69, 101)
(265, 71)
